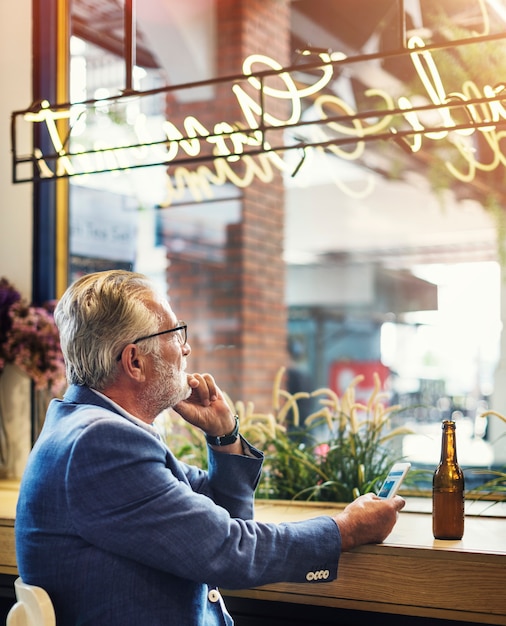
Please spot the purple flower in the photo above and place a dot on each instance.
(8, 296)
(29, 339)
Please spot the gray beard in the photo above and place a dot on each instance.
(171, 386)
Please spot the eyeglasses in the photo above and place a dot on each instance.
(181, 333)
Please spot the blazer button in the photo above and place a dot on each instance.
(213, 595)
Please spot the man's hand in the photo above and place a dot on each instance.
(368, 519)
(207, 409)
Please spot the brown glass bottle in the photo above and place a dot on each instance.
(448, 489)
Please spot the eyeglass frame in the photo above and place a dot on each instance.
(182, 326)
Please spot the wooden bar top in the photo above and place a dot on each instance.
(411, 573)
(485, 529)
(8, 498)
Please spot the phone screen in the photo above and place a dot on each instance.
(393, 480)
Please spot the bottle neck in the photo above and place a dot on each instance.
(449, 444)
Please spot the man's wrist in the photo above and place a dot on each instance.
(225, 440)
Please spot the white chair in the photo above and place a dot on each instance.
(33, 607)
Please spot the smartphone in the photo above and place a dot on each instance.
(393, 480)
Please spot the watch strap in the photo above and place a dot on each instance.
(225, 440)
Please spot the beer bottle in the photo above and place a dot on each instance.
(448, 489)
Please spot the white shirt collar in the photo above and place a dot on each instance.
(150, 428)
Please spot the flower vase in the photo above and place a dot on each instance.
(15, 428)
(40, 403)
(4, 440)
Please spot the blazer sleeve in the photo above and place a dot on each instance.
(230, 481)
(124, 497)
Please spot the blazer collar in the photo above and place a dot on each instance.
(77, 394)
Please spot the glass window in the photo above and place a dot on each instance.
(368, 244)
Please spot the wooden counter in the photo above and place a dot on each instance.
(409, 574)
(8, 499)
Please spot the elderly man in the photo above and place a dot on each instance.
(110, 523)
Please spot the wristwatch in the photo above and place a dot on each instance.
(225, 440)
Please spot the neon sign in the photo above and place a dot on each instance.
(198, 158)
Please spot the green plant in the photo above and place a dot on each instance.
(341, 451)
(495, 488)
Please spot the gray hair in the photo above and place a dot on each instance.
(97, 316)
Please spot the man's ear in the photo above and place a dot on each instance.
(134, 363)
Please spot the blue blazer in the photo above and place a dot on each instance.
(119, 532)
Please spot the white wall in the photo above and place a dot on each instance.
(15, 211)
(15, 200)
(497, 428)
